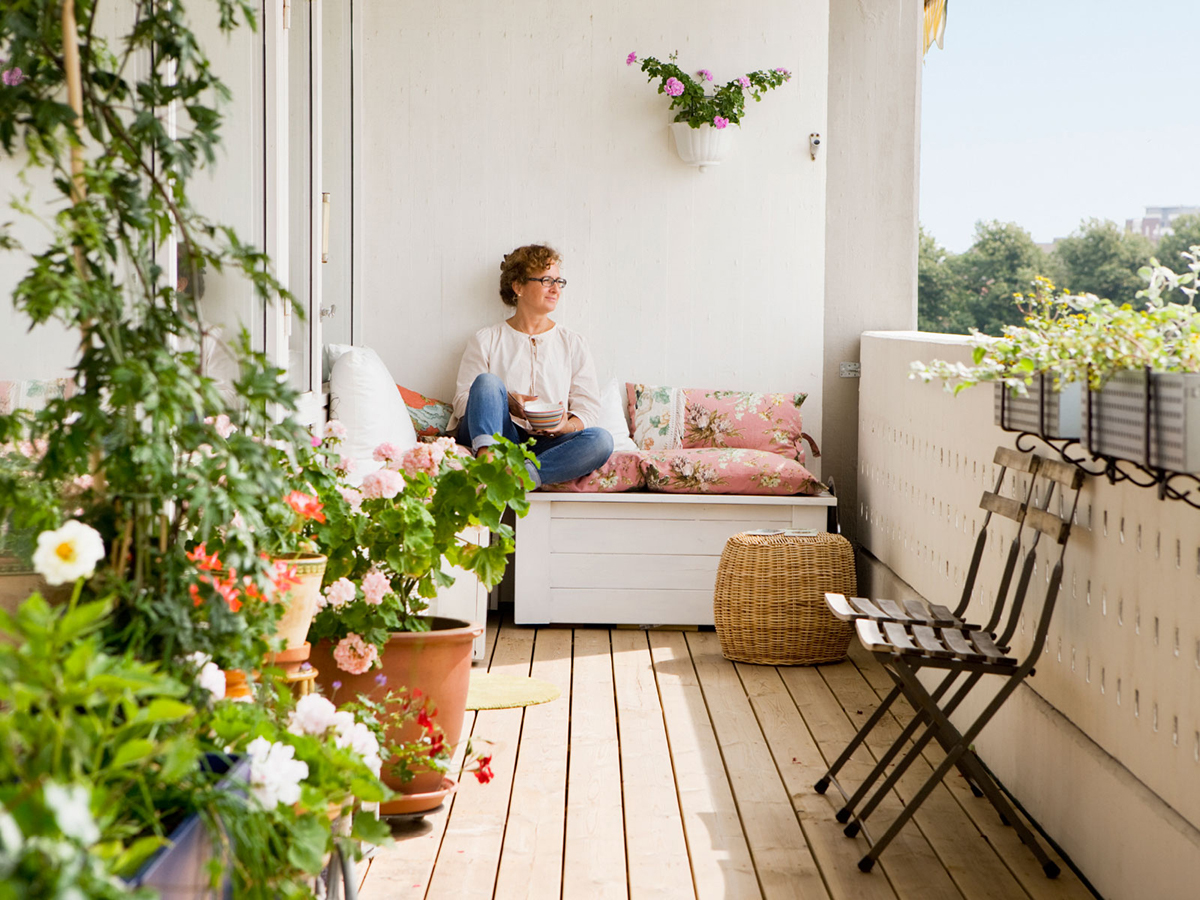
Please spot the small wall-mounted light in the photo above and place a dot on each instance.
(814, 144)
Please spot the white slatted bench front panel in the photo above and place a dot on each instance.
(637, 559)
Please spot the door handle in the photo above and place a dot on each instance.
(325, 227)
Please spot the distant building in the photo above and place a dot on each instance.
(1156, 223)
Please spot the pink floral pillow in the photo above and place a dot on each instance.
(710, 470)
(656, 415)
(744, 420)
(622, 472)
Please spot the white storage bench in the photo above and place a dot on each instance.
(637, 558)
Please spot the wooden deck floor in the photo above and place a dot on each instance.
(665, 770)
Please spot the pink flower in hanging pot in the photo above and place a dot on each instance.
(631, 59)
(673, 87)
(720, 122)
(705, 75)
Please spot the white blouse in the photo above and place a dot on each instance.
(555, 365)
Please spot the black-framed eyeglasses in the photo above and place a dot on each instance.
(547, 281)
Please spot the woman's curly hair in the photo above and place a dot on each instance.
(522, 263)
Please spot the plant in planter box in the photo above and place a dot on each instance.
(1096, 343)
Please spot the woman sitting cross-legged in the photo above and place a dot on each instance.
(529, 358)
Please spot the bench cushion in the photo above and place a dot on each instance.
(622, 472)
(712, 470)
(667, 418)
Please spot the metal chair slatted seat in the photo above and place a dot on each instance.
(905, 648)
(912, 612)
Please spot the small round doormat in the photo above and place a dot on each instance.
(495, 691)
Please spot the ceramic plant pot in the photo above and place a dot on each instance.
(301, 601)
(435, 662)
(704, 146)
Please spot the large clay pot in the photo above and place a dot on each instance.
(435, 662)
(301, 602)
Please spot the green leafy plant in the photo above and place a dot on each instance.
(1085, 338)
(723, 107)
(390, 543)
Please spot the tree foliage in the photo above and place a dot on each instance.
(1099, 258)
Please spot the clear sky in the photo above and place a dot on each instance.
(1047, 112)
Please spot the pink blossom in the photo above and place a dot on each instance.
(386, 452)
(13, 76)
(335, 429)
(744, 81)
(705, 74)
(315, 441)
(384, 483)
(344, 465)
(720, 122)
(375, 587)
(221, 424)
(631, 59)
(784, 72)
(353, 497)
(354, 655)
(423, 458)
(340, 593)
(673, 87)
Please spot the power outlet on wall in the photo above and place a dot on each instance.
(849, 370)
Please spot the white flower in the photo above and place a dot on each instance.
(359, 738)
(221, 423)
(212, 679)
(335, 429)
(313, 715)
(71, 810)
(340, 593)
(66, 554)
(275, 774)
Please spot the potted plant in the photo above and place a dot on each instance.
(701, 125)
(389, 549)
(1136, 369)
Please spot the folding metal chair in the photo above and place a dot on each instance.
(906, 648)
(935, 615)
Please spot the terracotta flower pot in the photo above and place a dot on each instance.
(301, 602)
(435, 662)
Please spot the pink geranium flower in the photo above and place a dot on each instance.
(384, 483)
(631, 59)
(720, 122)
(375, 587)
(744, 81)
(386, 452)
(673, 87)
(705, 75)
(340, 593)
(423, 458)
(354, 655)
(13, 76)
(335, 429)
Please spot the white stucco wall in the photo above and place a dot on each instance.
(487, 126)
(1102, 745)
(873, 148)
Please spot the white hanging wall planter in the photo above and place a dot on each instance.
(704, 146)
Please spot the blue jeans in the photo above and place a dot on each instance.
(562, 456)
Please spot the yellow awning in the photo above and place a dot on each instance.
(935, 22)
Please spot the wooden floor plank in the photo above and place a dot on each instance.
(800, 763)
(470, 855)
(404, 867)
(594, 850)
(1015, 855)
(979, 873)
(532, 858)
(656, 851)
(782, 859)
(721, 865)
(914, 870)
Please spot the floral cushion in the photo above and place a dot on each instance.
(667, 418)
(32, 395)
(430, 417)
(744, 420)
(656, 414)
(712, 470)
(622, 472)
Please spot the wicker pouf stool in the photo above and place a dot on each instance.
(769, 600)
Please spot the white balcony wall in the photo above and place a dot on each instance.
(1103, 744)
(489, 125)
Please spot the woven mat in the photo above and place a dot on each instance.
(495, 691)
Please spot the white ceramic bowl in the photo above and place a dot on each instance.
(542, 415)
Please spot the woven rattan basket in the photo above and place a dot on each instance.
(769, 601)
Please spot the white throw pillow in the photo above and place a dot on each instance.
(364, 398)
(612, 417)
